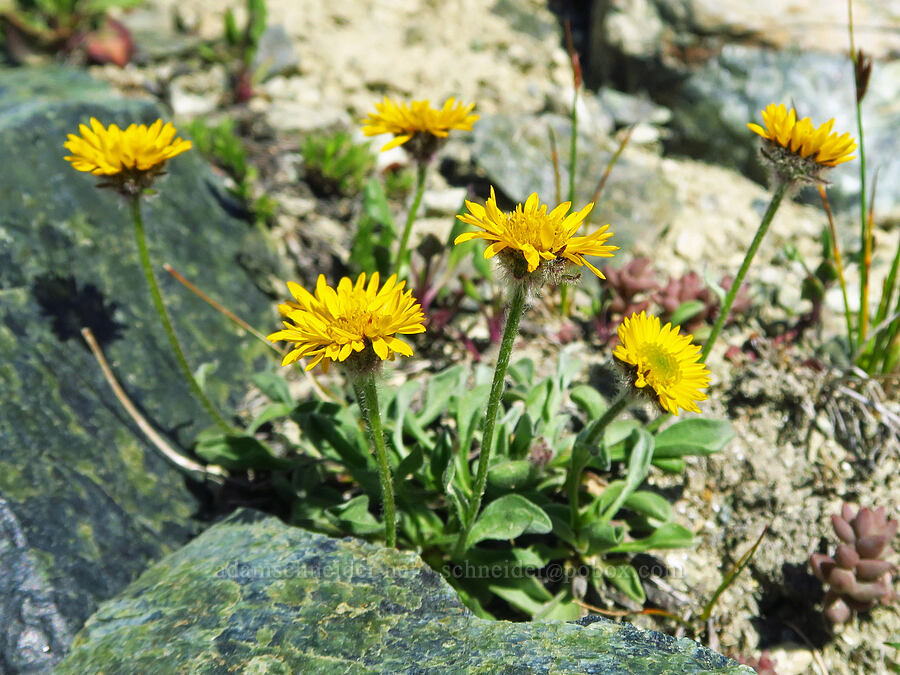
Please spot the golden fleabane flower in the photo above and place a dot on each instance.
(356, 319)
(530, 239)
(664, 360)
(797, 149)
(129, 159)
(422, 128)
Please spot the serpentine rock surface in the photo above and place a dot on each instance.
(85, 503)
(252, 593)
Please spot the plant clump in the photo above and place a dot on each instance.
(335, 165)
(859, 574)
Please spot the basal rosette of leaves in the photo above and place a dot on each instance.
(527, 547)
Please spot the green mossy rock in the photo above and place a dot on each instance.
(254, 595)
(85, 503)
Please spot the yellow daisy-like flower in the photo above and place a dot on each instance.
(427, 127)
(355, 318)
(663, 359)
(108, 152)
(800, 138)
(534, 237)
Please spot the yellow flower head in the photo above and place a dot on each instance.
(663, 359)
(798, 145)
(355, 318)
(532, 238)
(418, 122)
(131, 158)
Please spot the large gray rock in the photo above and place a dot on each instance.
(515, 153)
(711, 108)
(255, 595)
(85, 502)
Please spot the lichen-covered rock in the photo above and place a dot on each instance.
(252, 593)
(85, 502)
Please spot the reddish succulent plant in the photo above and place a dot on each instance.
(690, 287)
(764, 665)
(859, 574)
(628, 282)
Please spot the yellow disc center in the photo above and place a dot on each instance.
(662, 365)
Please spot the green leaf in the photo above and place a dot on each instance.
(256, 20)
(695, 436)
(511, 560)
(600, 537)
(667, 535)
(536, 401)
(559, 517)
(508, 517)
(589, 400)
(237, 452)
(459, 503)
(232, 36)
(375, 231)
(510, 474)
(103, 6)
(525, 593)
(686, 311)
(270, 412)
(353, 517)
(560, 608)
(420, 524)
(523, 435)
(593, 455)
(482, 265)
(440, 389)
(402, 400)
(673, 465)
(615, 436)
(640, 443)
(326, 428)
(624, 577)
(440, 460)
(470, 408)
(649, 504)
(409, 465)
(273, 386)
(522, 372)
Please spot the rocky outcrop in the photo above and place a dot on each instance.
(85, 502)
(252, 593)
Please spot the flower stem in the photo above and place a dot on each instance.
(516, 309)
(164, 315)
(367, 397)
(780, 190)
(611, 413)
(402, 265)
(865, 251)
(573, 480)
(839, 265)
(573, 165)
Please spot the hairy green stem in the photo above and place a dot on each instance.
(402, 265)
(865, 250)
(516, 309)
(573, 480)
(367, 397)
(164, 315)
(780, 191)
(573, 164)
